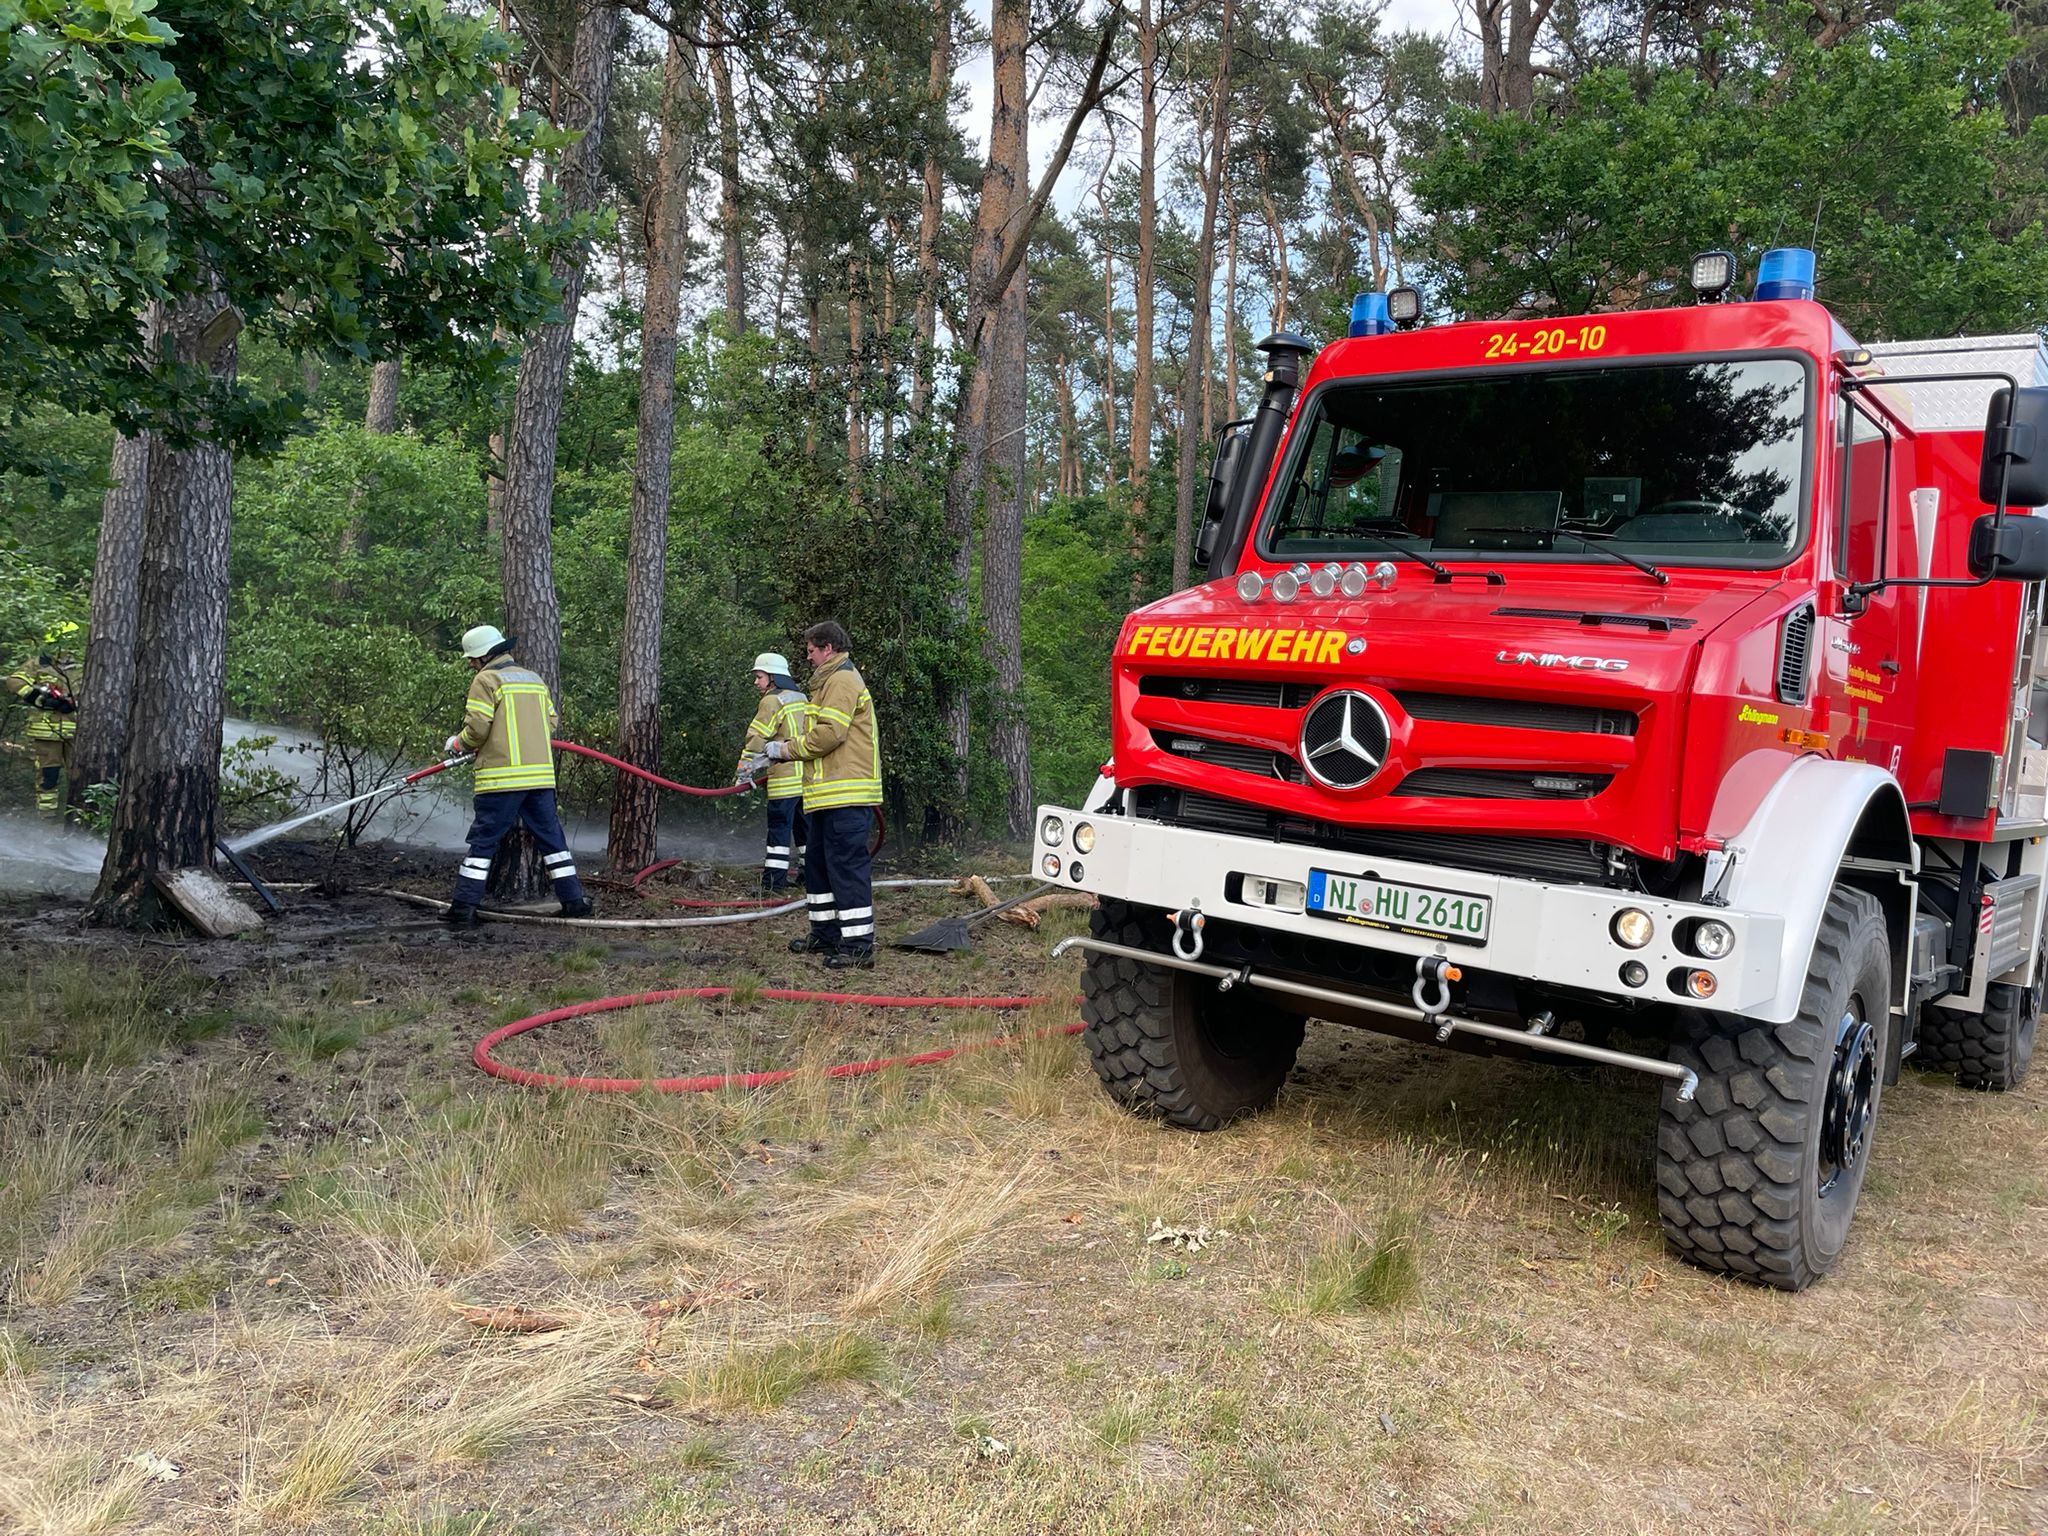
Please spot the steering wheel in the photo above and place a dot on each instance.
(1753, 524)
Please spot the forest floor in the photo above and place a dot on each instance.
(247, 1188)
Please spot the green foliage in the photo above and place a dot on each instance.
(1075, 582)
(1892, 143)
(345, 169)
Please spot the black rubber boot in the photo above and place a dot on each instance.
(854, 957)
(461, 914)
(811, 945)
(580, 907)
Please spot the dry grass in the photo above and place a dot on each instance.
(925, 1301)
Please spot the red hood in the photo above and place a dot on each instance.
(1525, 701)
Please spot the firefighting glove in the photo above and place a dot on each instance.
(754, 766)
(452, 745)
(777, 751)
(63, 703)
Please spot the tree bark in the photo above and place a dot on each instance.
(856, 381)
(1195, 378)
(1508, 30)
(930, 213)
(1002, 550)
(170, 783)
(1142, 279)
(102, 740)
(382, 416)
(1229, 303)
(635, 805)
(1109, 454)
(527, 560)
(728, 177)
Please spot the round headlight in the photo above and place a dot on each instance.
(1251, 586)
(1352, 582)
(1324, 582)
(1084, 837)
(1632, 928)
(1701, 984)
(1051, 865)
(1051, 830)
(1285, 586)
(1712, 939)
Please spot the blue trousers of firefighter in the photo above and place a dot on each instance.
(496, 815)
(839, 876)
(785, 849)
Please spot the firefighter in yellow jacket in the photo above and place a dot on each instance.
(49, 686)
(509, 723)
(781, 716)
(842, 756)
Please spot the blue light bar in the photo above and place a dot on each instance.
(1786, 273)
(1369, 315)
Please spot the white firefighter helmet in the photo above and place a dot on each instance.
(772, 664)
(481, 641)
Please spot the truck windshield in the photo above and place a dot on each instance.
(1676, 464)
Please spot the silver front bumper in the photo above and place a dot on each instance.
(1540, 932)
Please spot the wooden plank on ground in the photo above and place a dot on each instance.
(203, 899)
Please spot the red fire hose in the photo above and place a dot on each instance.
(711, 1083)
(652, 778)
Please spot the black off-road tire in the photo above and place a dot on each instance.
(1758, 1176)
(1165, 1042)
(1988, 1051)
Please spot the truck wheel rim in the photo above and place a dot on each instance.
(1851, 1100)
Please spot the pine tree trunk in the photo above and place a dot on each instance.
(856, 382)
(533, 614)
(1229, 303)
(1002, 550)
(382, 415)
(1195, 378)
(170, 782)
(728, 177)
(635, 802)
(930, 212)
(101, 743)
(1142, 278)
(1109, 454)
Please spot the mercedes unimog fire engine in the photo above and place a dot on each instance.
(1661, 689)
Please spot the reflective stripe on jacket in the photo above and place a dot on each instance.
(43, 724)
(508, 723)
(840, 748)
(782, 716)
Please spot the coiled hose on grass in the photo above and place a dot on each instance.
(713, 1082)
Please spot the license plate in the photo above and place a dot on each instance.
(1420, 911)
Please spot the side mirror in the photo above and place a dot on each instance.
(2011, 548)
(1222, 485)
(2015, 450)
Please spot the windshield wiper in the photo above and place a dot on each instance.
(1591, 541)
(1443, 571)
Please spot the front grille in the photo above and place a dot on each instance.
(1517, 714)
(1503, 784)
(1228, 690)
(1266, 762)
(1543, 858)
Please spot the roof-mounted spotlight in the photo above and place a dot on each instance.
(1713, 274)
(1404, 306)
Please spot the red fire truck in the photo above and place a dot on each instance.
(1662, 689)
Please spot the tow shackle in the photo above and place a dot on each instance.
(1431, 993)
(1188, 924)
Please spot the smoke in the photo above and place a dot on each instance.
(39, 857)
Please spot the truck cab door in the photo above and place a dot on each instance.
(1863, 665)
